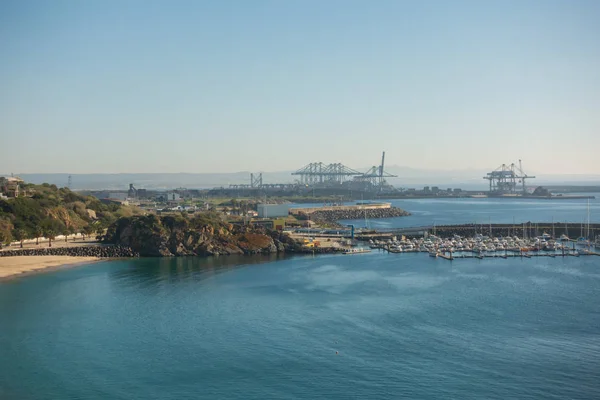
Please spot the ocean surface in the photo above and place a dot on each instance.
(427, 212)
(364, 326)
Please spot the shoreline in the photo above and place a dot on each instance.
(23, 266)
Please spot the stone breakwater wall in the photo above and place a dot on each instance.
(332, 216)
(361, 207)
(81, 251)
(120, 251)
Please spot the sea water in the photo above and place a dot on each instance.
(363, 326)
(373, 325)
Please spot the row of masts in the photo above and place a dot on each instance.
(527, 228)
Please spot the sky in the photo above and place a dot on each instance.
(223, 86)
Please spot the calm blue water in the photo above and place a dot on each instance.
(484, 210)
(404, 326)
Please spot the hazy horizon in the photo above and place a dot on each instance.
(233, 86)
(405, 179)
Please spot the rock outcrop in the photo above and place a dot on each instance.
(153, 236)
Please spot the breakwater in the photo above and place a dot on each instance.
(80, 251)
(332, 216)
(359, 206)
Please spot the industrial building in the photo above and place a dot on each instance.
(171, 196)
(272, 210)
(117, 196)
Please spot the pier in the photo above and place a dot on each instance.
(450, 256)
(522, 230)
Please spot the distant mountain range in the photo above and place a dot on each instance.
(406, 177)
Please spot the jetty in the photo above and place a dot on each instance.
(330, 215)
(480, 247)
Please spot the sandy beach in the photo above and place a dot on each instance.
(15, 266)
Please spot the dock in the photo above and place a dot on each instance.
(505, 255)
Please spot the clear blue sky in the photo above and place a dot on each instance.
(198, 86)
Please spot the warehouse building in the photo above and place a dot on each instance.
(272, 210)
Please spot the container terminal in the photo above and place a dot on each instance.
(338, 182)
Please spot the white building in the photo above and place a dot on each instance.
(273, 210)
(172, 196)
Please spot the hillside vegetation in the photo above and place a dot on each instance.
(51, 211)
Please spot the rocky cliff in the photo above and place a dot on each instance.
(202, 236)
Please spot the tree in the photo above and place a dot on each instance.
(6, 229)
(20, 235)
(100, 230)
(50, 227)
(88, 230)
(38, 231)
(50, 234)
(70, 231)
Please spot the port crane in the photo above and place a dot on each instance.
(505, 179)
(376, 175)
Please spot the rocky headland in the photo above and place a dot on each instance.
(168, 236)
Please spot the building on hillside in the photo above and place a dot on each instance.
(272, 210)
(270, 223)
(10, 186)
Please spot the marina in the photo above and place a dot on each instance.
(481, 247)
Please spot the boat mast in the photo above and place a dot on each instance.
(589, 240)
(588, 221)
(366, 223)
